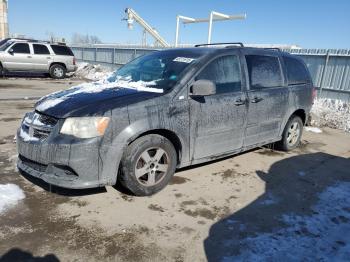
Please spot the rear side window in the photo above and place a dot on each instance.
(62, 50)
(224, 72)
(264, 71)
(41, 50)
(296, 71)
(21, 48)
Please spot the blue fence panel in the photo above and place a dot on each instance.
(104, 55)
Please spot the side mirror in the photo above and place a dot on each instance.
(203, 88)
(11, 51)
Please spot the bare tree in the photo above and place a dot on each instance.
(78, 38)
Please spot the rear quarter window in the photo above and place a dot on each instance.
(62, 50)
(297, 73)
(264, 71)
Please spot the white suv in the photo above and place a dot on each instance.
(38, 57)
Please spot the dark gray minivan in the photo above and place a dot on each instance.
(166, 110)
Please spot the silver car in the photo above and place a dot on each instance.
(37, 57)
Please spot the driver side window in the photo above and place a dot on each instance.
(225, 72)
(21, 48)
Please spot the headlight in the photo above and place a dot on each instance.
(85, 127)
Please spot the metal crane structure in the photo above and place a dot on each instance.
(213, 17)
(133, 16)
(4, 29)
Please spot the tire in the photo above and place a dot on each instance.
(147, 165)
(58, 71)
(2, 73)
(292, 134)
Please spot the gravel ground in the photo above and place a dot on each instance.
(227, 210)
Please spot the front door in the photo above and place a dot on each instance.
(19, 59)
(268, 97)
(217, 122)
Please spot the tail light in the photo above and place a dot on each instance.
(314, 94)
(74, 61)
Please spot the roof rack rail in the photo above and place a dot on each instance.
(234, 43)
(58, 43)
(273, 48)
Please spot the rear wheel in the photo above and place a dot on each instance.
(148, 165)
(292, 134)
(57, 71)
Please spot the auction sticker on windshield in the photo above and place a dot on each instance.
(183, 60)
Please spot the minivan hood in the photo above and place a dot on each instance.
(94, 98)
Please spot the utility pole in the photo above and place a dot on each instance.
(4, 29)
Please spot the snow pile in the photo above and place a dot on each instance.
(313, 129)
(96, 87)
(10, 194)
(92, 72)
(323, 236)
(332, 113)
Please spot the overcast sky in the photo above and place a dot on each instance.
(310, 24)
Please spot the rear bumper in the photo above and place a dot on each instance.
(64, 164)
(72, 68)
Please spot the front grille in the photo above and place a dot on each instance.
(32, 164)
(38, 126)
(47, 120)
(41, 134)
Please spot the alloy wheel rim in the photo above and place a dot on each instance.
(293, 133)
(152, 166)
(58, 72)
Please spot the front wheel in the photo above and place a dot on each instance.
(292, 134)
(147, 165)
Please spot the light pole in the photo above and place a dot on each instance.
(213, 17)
(184, 18)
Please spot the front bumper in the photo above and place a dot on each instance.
(60, 161)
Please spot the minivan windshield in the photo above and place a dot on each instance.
(160, 69)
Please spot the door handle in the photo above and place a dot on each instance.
(48, 57)
(239, 102)
(256, 99)
(29, 56)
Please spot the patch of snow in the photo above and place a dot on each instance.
(313, 129)
(49, 103)
(331, 113)
(95, 87)
(10, 194)
(92, 72)
(323, 236)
